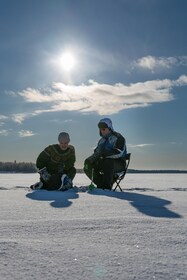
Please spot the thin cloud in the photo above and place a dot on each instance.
(154, 63)
(19, 118)
(26, 133)
(3, 117)
(4, 132)
(140, 145)
(144, 145)
(61, 121)
(104, 99)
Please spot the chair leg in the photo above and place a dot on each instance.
(114, 189)
(120, 188)
(117, 185)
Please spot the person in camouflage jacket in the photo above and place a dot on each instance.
(56, 165)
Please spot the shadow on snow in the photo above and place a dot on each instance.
(58, 199)
(147, 204)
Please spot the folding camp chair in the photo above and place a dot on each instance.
(119, 176)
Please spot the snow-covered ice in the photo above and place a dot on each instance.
(138, 234)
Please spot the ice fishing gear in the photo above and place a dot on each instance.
(91, 186)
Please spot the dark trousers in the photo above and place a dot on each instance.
(55, 182)
(102, 171)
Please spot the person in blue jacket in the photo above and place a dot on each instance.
(108, 156)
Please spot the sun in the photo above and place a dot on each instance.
(67, 61)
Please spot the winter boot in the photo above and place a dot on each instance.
(36, 186)
(66, 183)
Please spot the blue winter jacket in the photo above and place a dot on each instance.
(112, 146)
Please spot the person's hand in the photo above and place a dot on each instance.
(89, 162)
(91, 159)
(44, 174)
(102, 156)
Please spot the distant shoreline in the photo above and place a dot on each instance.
(156, 171)
(30, 167)
(80, 171)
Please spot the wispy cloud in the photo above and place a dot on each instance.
(144, 145)
(4, 132)
(61, 121)
(154, 63)
(25, 133)
(20, 117)
(3, 117)
(103, 99)
(140, 145)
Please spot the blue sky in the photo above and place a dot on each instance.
(129, 64)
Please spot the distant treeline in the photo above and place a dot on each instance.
(29, 167)
(22, 167)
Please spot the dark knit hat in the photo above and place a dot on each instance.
(63, 136)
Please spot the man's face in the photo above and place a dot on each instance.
(105, 131)
(63, 145)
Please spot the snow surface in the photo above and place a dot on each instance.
(138, 234)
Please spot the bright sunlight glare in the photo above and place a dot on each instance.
(67, 61)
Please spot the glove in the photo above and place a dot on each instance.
(92, 159)
(44, 174)
(89, 162)
(102, 156)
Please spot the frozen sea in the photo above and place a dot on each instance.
(140, 233)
